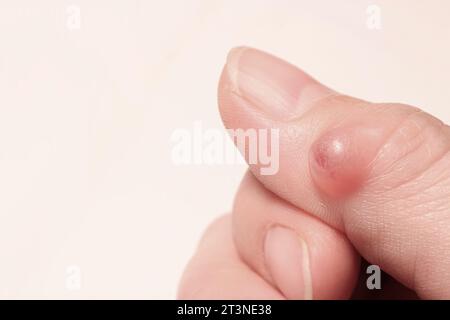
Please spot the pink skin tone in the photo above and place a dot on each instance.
(356, 179)
(340, 159)
(329, 260)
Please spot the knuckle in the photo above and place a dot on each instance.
(417, 145)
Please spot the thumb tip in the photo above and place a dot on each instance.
(269, 84)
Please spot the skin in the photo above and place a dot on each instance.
(357, 181)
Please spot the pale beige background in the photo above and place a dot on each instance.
(86, 177)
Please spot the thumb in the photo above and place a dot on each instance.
(378, 172)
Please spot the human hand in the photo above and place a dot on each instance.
(355, 180)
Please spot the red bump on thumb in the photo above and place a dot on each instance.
(340, 159)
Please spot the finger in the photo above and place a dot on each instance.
(216, 271)
(379, 172)
(296, 252)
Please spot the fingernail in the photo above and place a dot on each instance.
(271, 84)
(287, 259)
